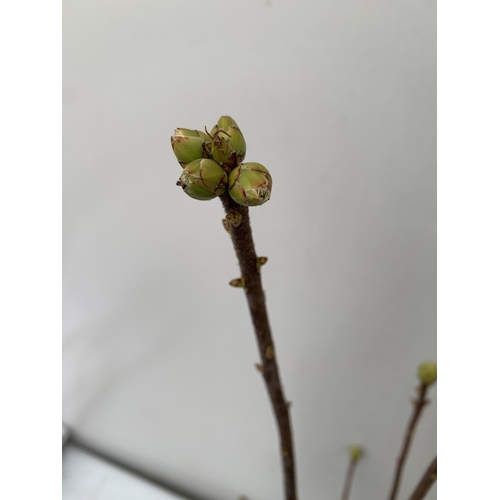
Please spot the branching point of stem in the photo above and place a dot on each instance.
(428, 479)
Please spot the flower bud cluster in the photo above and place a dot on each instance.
(213, 164)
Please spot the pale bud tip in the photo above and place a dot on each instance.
(427, 373)
(355, 451)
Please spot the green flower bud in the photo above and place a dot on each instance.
(228, 139)
(203, 179)
(250, 184)
(427, 373)
(355, 451)
(190, 145)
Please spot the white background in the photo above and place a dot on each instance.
(337, 100)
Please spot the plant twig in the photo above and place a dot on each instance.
(355, 454)
(418, 406)
(348, 479)
(237, 223)
(428, 479)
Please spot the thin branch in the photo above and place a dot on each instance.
(349, 477)
(237, 223)
(428, 479)
(418, 406)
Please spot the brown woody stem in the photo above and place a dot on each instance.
(418, 406)
(241, 236)
(348, 478)
(428, 479)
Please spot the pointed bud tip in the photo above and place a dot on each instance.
(225, 122)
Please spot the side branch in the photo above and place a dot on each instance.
(237, 224)
(418, 406)
(428, 479)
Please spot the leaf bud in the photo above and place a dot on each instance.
(427, 373)
(237, 283)
(261, 261)
(355, 451)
